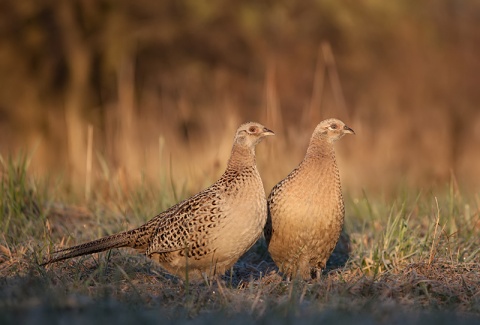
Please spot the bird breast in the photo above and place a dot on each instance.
(319, 204)
(247, 213)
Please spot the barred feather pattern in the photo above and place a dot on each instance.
(306, 209)
(205, 234)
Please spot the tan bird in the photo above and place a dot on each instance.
(306, 210)
(207, 233)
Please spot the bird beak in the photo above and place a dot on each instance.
(346, 129)
(267, 132)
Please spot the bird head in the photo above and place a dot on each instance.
(251, 133)
(331, 130)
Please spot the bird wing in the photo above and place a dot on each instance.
(186, 223)
(276, 190)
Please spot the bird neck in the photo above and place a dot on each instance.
(321, 166)
(320, 150)
(241, 157)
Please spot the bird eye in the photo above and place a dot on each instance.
(252, 129)
(333, 126)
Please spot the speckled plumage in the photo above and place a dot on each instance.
(207, 233)
(306, 209)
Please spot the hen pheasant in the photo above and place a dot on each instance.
(306, 209)
(207, 233)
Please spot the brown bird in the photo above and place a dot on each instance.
(207, 233)
(306, 210)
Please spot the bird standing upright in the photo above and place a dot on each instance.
(205, 234)
(306, 209)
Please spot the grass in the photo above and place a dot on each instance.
(411, 258)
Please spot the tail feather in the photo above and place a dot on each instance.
(123, 239)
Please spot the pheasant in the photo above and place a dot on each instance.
(207, 233)
(306, 209)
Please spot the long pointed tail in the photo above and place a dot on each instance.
(123, 239)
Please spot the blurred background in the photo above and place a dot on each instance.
(98, 90)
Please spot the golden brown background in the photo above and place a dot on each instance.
(132, 90)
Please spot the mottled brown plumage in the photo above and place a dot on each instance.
(207, 233)
(305, 210)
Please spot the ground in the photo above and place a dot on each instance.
(408, 257)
